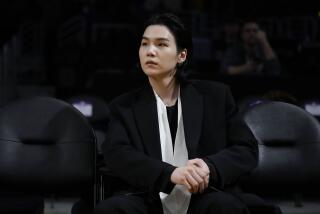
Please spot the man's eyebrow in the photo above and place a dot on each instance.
(157, 38)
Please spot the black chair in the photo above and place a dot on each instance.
(96, 110)
(288, 171)
(47, 148)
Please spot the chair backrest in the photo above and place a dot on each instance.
(289, 148)
(96, 110)
(46, 146)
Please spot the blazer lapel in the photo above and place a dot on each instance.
(145, 110)
(192, 112)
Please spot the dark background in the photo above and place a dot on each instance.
(69, 47)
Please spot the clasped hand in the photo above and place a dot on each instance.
(195, 175)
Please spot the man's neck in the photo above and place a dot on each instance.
(166, 88)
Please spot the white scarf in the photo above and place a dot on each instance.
(178, 200)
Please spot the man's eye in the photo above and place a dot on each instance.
(163, 45)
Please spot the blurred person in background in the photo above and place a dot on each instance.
(254, 55)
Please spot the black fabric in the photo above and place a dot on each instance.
(172, 113)
(216, 202)
(164, 181)
(129, 204)
(213, 131)
(256, 205)
(212, 202)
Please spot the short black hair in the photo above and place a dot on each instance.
(179, 31)
(247, 20)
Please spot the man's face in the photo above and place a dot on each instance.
(158, 52)
(249, 33)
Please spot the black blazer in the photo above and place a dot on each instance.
(213, 131)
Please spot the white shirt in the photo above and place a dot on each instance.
(177, 202)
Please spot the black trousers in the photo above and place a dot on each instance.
(212, 202)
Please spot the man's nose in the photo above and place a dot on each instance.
(151, 50)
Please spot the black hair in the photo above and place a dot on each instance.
(180, 33)
(247, 20)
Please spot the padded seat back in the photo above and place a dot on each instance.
(289, 148)
(46, 145)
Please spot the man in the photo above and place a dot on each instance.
(254, 55)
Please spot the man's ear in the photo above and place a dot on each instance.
(182, 56)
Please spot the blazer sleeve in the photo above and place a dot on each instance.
(241, 154)
(131, 164)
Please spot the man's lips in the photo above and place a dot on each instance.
(151, 63)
